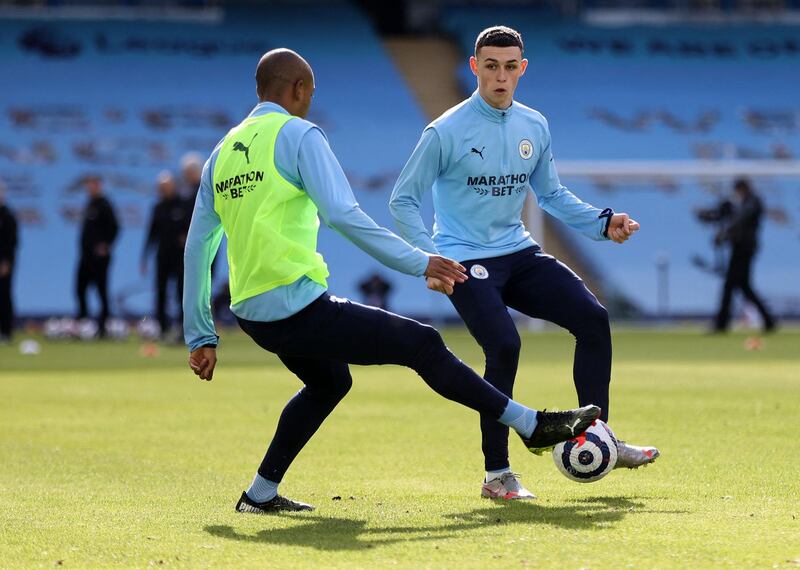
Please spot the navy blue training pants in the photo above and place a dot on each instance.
(537, 285)
(317, 344)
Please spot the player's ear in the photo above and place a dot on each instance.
(299, 90)
(473, 65)
(523, 65)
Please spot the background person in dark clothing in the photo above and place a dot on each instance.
(740, 223)
(169, 224)
(191, 171)
(376, 291)
(8, 246)
(98, 233)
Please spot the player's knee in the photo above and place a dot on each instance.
(504, 348)
(428, 346)
(595, 320)
(428, 337)
(340, 387)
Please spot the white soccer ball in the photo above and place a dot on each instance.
(148, 329)
(53, 328)
(118, 329)
(29, 347)
(87, 329)
(589, 457)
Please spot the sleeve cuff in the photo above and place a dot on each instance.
(207, 341)
(605, 215)
(423, 263)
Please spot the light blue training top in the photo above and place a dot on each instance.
(481, 162)
(304, 158)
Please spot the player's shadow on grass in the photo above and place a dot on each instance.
(332, 533)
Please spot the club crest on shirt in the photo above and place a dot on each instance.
(525, 149)
(478, 272)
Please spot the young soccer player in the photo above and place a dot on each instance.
(481, 158)
(262, 188)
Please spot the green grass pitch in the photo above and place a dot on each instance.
(109, 459)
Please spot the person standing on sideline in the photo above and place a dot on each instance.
(191, 170)
(98, 232)
(169, 224)
(262, 187)
(8, 248)
(482, 158)
(375, 290)
(740, 230)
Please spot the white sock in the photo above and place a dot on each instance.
(491, 475)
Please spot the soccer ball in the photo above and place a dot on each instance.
(589, 457)
(118, 329)
(87, 329)
(148, 329)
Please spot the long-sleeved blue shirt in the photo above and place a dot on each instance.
(304, 158)
(481, 162)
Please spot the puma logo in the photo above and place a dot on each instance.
(245, 149)
(478, 152)
(572, 427)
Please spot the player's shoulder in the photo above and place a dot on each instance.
(530, 114)
(300, 125)
(532, 119)
(452, 118)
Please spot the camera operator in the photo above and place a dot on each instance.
(739, 221)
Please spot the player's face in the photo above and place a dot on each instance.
(498, 70)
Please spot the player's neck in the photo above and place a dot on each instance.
(500, 107)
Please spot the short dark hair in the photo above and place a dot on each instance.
(499, 36)
(742, 185)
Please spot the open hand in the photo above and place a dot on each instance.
(621, 228)
(444, 273)
(202, 362)
(439, 285)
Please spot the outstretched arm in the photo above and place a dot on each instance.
(326, 184)
(415, 180)
(559, 202)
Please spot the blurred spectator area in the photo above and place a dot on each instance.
(635, 111)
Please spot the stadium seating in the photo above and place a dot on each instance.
(665, 93)
(126, 100)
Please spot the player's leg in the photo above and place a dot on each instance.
(543, 287)
(750, 294)
(101, 282)
(337, 329)
(6, 308)
(162, 279)
(480, 304)
(178, 269)
(733, 278)
(326, 383)
(82, 281)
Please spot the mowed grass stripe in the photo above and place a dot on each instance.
(140, 465)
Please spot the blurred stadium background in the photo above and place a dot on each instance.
(655, 107)
(113, 455)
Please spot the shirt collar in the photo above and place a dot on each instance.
(483, 108)
(267, 107)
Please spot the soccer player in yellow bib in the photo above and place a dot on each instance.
(263, 187)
